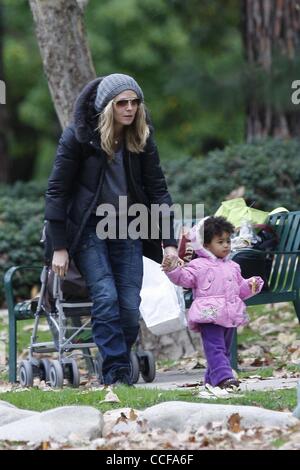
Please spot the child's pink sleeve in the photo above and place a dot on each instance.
(184, 276)
(245, 288)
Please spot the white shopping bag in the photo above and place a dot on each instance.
(162, 306)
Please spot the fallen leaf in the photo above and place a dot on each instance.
(217, 391)
(189, 385)
(41, 328)
(46, 445)
(234, 423)
(286, 339)
(122, 418)
(110, 397)
(132, 415)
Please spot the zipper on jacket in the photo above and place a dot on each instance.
(88, 213)
(132, 179)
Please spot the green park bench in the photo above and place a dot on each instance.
(284, 278)
(284, 283)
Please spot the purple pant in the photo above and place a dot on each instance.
(216, 343)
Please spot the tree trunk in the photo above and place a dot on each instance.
(271, 30)
(4, 161)
(64, 49)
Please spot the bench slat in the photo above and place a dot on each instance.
(284, 267)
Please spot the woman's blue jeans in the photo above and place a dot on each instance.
(113, 271)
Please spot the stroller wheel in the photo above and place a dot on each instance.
(148, 369)
(135, 367)
(56, 375)
(26, 373)
(72, 372)
(98, 361)
(44, 369)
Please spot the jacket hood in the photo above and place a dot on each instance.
(196, 237)
(204, 253)
(85, 114)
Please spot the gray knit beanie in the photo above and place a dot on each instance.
(111, 86)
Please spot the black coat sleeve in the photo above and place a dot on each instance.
(155, 186)
(60, 185)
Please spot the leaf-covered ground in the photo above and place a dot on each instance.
(268, 347)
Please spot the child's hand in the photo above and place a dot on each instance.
(167, 264)
(171, 262)
(253, 284)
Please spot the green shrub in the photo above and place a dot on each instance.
(30, 190)
(269, 170)
(21, 222)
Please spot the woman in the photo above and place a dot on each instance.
(108, 151)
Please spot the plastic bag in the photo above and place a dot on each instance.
(236, 211)
(162, 306)
(245, 237)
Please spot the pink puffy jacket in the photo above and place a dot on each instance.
(218, 290)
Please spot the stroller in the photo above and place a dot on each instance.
(67, 308)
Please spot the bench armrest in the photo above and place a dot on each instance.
(8, 282)
(265, 253)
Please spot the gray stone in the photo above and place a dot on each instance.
(179, 416)
(296, 412)
(172, 346)
(10, 413)
(59, 424)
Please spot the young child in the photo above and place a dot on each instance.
(218, 292)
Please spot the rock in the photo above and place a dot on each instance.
(173, 346)
(179, 415)
(253, 351)
(268, 329)
(57, 424)
(10, 413)
(296, 412)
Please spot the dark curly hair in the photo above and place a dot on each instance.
(215, 226)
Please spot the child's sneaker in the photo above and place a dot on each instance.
(229, 383)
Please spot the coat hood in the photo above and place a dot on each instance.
(85, 114)
(196, 237)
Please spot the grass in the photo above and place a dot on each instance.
(166, 363)
(248, 336)
(263, 372)
(292, 367)
(279, 442)
(23, 337)
(3, 376)
(139, 398)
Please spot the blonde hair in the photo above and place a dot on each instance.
(136, 134)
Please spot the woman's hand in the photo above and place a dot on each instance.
(171, 260)
(60, 262)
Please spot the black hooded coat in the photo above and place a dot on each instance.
(76, 180)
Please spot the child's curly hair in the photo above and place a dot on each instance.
(215, 226)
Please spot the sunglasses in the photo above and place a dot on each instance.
(124, 103)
